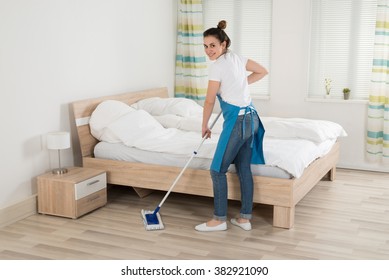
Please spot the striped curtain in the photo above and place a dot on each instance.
(378, 108)
(191, 66)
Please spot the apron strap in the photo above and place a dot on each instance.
(249, 110)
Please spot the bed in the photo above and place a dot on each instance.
(283, 193)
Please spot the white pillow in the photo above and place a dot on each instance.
(158, 106)
(105, 113)
(131, 129)
(313, 130)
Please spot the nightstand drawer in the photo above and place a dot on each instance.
(90, 186)
(91, 202)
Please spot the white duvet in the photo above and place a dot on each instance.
(173, 125)
(115, 122)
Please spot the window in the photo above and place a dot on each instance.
(342, 46)
(249, 28)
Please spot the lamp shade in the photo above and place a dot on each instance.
(58, 140)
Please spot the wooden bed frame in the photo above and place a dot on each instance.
(283, 194)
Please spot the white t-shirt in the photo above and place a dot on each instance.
(230, 70)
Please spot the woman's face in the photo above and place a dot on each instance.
(213, 48)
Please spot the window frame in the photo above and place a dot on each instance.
(316, 81)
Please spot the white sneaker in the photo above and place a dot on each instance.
(244, 226)
(204, 227)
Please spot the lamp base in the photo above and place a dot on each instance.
(59, 171)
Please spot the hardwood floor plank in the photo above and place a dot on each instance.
(11, 255)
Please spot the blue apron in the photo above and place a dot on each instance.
(230, 115)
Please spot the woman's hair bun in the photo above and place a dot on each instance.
(222, 24)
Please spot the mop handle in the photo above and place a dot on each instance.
(186, 165)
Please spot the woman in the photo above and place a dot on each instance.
(241, 139)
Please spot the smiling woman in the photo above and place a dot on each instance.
(216, 41)
(228, 81)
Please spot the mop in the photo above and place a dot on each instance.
(152, 219)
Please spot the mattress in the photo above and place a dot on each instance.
(119, 151)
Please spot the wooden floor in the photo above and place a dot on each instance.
(344, 219)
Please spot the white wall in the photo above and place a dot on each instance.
(53, 52)
(289, 84)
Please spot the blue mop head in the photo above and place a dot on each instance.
(152, 220)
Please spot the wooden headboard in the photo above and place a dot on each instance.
(83, 109)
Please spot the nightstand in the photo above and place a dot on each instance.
(72, 194)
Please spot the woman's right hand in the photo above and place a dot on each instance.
(206, 132)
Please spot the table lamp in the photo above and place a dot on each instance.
(58, 141)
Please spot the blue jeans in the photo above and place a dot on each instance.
(239, 152)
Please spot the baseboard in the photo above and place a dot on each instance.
(18, 211)
(382, 168)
